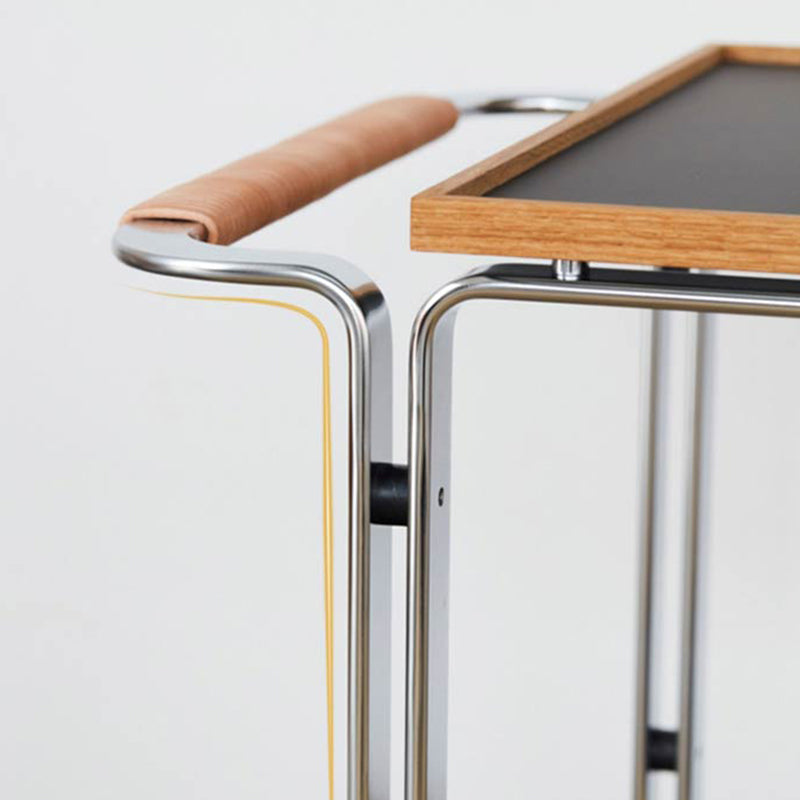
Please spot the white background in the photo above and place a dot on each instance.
(155, 462)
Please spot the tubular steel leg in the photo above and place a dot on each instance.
(689, 738)
(366, 321)
(429, 435)
(654, 366)
(428, 558)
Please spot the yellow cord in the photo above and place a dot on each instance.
(327, 488)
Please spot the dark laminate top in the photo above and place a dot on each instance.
(728, 140)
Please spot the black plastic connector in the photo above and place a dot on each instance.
(662, 750)
(388, 494)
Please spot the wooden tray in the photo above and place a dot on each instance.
(697, 165)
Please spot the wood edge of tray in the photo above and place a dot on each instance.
(445, 217)
(665, 237)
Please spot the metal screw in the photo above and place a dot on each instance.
(567, 270)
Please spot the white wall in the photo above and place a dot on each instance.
(133, 435)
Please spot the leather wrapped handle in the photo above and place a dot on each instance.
(248, 194)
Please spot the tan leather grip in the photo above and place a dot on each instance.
(242, 197)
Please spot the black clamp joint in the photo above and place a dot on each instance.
(662, 750)
(388, 494)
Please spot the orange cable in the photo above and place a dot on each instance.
(327, 487)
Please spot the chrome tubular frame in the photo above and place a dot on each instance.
(690, 750)
(653, 367)
(429, 491)
(366, 320)
(545, 103)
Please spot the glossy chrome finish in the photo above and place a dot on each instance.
(652, 447)
(429, 439)
(428, 592)
(567, 270)
(520, 103)
(366, 320)
(690, 750)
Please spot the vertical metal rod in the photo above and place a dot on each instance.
(429, 457)
(366, 321)
(429, 552)
(689, 738)
(654, 363)
(375, 774)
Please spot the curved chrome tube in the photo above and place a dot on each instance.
(429, 487)
(172, 251)
(366, 319)
(545, 103)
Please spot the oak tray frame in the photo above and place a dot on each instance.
(456, 217)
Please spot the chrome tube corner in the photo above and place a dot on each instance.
(429, 489)
(366, 319)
